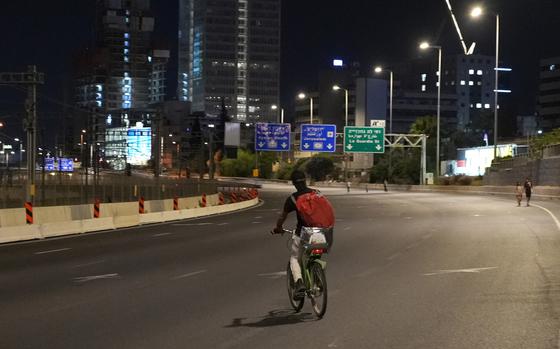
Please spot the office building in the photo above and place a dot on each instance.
(230, 50)
(549, 93)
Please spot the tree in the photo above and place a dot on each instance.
(319, 167)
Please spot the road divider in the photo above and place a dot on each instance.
(54, 221)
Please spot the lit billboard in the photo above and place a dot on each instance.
(139, 145)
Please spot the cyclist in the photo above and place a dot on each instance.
(299, 182)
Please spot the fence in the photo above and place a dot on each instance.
(60, 189)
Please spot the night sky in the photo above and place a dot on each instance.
(50, 33)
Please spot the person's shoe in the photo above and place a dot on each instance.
(299, 290)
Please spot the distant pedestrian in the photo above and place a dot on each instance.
(385, 184)
(519, 193)
(528, 189)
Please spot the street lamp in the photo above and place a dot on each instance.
(337, 88)
(425, 46)
(303, 96)
(275, 107)
(379, 70)
(477, 12)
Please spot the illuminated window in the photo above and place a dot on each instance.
(478, 105)
(423, 87)
(424, 76)
(487, 106)
(471, 83)
(479, 72)
(552, 67)
(471, 71)
(462, 82)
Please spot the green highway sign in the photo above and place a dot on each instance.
(363, 139)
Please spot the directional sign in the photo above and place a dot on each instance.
(377, 123)
(65, 165)
(319, 138)
(361, 139)
(49, 164)
(272, 137)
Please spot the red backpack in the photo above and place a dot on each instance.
(315, 209)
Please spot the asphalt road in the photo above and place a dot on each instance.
(407, 270)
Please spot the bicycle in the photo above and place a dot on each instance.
(313, 275)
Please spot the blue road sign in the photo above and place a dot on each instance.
(49, 164)
(65, 165)
(272, 137)
(318, 138)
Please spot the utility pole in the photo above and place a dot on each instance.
(31, 79)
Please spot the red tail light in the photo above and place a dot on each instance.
(317, 251)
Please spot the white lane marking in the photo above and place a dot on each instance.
(223, 223)
(456, 271)
(207, 223)
(550, 213)
(256, 222)
(96, 277)
(189, 274)
(53, 251)
(258, 217)
(347, 228)
(407, 217)
(191, 224)
(275, 275)
(160, 234)
(394, 256)
(477, 215)
(88, 264)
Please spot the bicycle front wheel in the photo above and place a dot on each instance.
(318, 292)
(296, 304)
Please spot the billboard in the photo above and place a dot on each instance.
(139, 145)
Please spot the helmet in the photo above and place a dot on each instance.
(297, 177)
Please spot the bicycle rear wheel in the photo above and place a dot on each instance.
(296, 304)
(318, 292)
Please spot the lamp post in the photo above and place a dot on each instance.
(275, 107)
(379, 70)
(337, 88)
(476, 13)
(303, 96)
(426, 46)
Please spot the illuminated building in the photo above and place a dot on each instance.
(230, 50)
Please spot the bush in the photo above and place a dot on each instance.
(464, 180)
(319, 167)
(285, 171)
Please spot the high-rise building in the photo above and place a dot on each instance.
(230, 50)
(549, 93)
(120, 80)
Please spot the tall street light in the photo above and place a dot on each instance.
(275, 107)
(379, 70)
(303, 96)
(337, 88)
(476, 12)
(426, 46)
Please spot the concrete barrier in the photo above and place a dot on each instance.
(66, 220)
(97, 224)
(12, 217)
(19, 233)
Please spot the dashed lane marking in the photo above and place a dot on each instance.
(96, 277)
(459, 271)
(160, 234)
(275, 275)
(225, 223)
(189, 274)
(53, 251)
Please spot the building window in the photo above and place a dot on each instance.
(487, 106)
(471, 71)
(424, 76)
(423, 88)
(478, 105)
(471, 83)
(462, 82)
(552, 67)
(479, 72)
